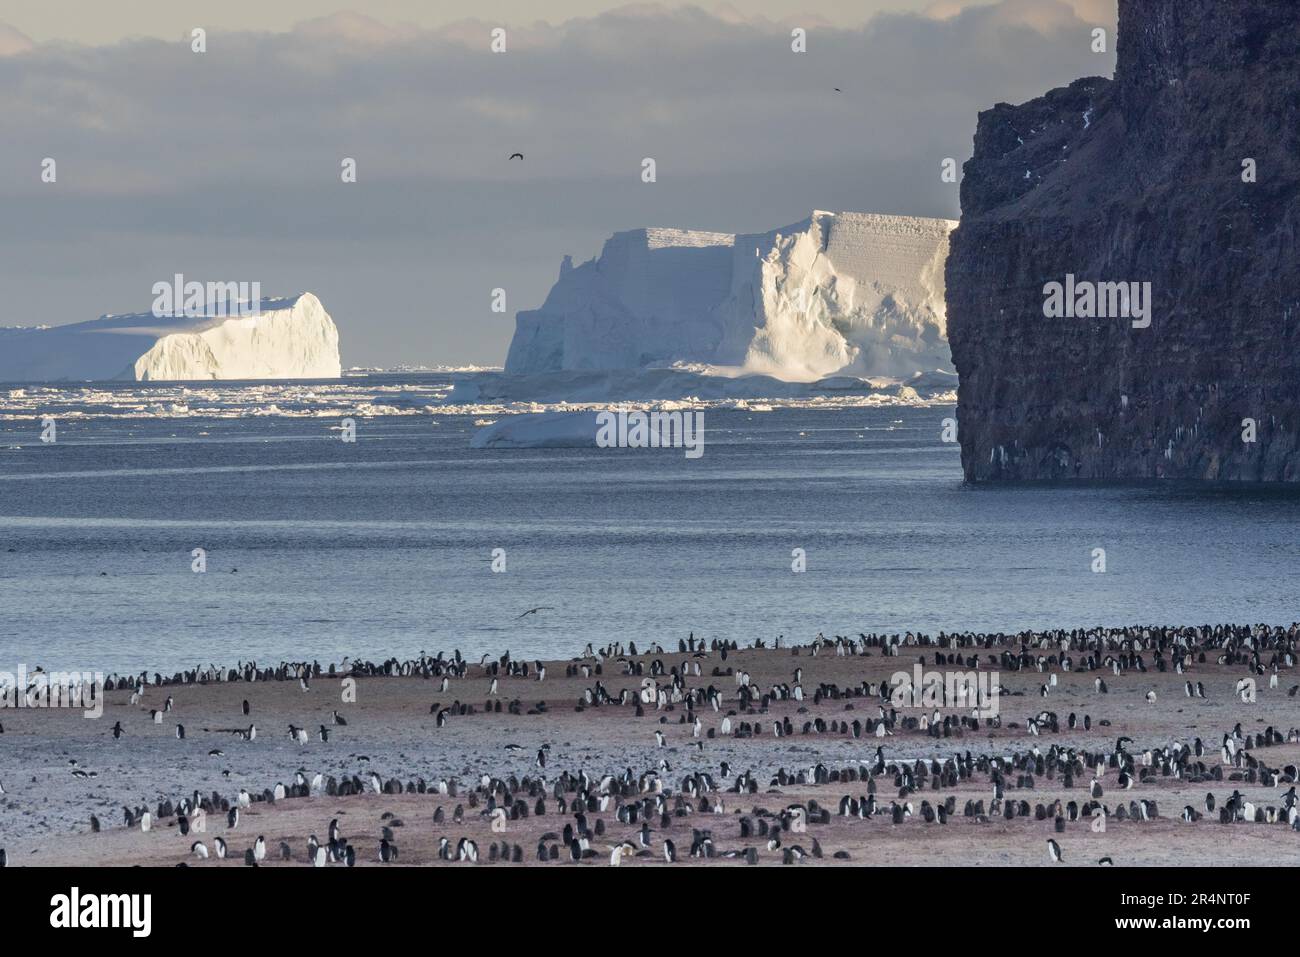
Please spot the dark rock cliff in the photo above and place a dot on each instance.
(1139, 179)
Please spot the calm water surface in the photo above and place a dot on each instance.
(320, 549)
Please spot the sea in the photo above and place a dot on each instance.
(796, 521)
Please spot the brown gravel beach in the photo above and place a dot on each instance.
(392, 732)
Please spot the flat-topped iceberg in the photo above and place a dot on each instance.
(290, 338)
(837, 293)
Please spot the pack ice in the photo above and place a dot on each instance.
(851, 293)
(289, 338)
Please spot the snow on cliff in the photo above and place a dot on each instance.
(291, 338)
(856, 293)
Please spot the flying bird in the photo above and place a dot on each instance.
(533, 611)
(516, 155)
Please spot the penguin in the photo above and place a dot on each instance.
(180, 732)
(1105, 862)
(117, 730)
(619, 851)
(323, 734)
(221, 849)
(387, 851)
(232, 818)
(1054, 851)
(259, 848)
(339, 719)
(199, 850)
(670, 852)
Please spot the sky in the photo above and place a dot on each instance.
(226, 165)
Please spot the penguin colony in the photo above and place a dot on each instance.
(1001, 772)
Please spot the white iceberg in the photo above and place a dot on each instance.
(838, 293)
(291, 338)
(546, 430)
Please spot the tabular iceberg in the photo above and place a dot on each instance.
(291, 338)
(856, 293)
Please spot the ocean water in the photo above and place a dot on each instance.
(318, 548)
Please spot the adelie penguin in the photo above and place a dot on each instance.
(1054, 851)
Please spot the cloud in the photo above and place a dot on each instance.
(350, 27)
(12, 41)
(226, 164)
(1039, 13)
